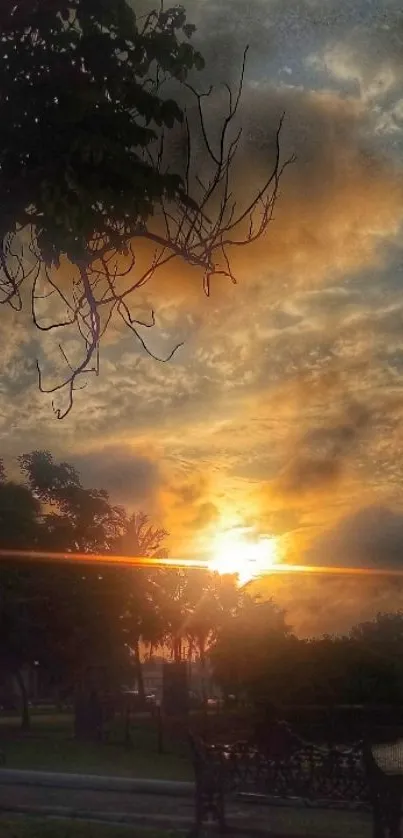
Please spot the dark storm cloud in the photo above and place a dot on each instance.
(190, 493)
(333, 604)
(371, 537)
(281, 522)
(312, 131)
(321, 453)
(206, 514)
(334, 12)
(282, 35)
(129, 477)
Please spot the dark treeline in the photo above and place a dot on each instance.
(68, 618)
(337, 688)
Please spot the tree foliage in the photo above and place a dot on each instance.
(78, 110)
(256, 656)
(71, 616)
(251, 648)
(86, 167)
(76, 519)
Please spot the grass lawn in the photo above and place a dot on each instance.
(33, 828)
(50, 746)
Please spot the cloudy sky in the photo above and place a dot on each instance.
(283, 410)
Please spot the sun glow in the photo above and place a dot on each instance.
(247, 557)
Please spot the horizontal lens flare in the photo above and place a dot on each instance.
(200, 564)
(101, 558)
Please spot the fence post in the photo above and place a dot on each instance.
(160, 729)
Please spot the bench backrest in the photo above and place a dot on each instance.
(283, 766)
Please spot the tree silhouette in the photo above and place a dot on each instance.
(77, 519)
(20, 528)
(69, 616)
(85, 168)
(251, 648)
(143, 621)
(213, 601)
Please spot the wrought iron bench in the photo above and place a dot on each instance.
(286, 768)
(385, 788)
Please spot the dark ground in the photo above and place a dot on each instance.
(170, 813)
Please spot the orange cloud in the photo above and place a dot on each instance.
(337, 204)
(316, 605)
(186, 503)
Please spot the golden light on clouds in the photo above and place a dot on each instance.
(279, 421)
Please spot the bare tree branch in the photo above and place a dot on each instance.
(199, 228)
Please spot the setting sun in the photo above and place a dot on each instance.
(236, 553)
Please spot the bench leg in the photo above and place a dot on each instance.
(199, 817)
(394, 820)
(377, 828)
(387, 816)
(222, 823)
(207, 806)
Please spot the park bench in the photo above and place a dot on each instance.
(284, 769)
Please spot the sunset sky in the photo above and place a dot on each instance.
(283, 411)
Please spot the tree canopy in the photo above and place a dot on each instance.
(90, 96)
(78, 110)
(70, 616)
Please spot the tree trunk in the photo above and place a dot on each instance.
(25, 714)
(202, 653)
(177, 649)
(138, 668)
(88, 714)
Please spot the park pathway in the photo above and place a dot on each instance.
(173, 811)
